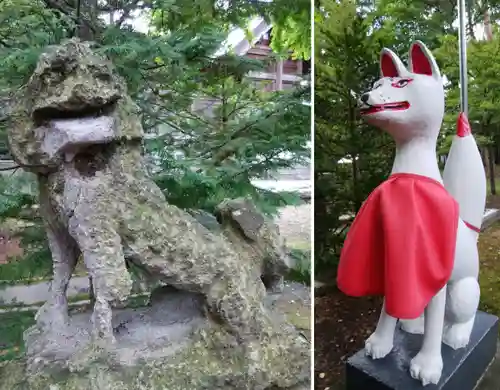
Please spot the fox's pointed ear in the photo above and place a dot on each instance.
(390, 64)
(422, 61)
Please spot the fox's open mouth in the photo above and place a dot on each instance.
(397, 106)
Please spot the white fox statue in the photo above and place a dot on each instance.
(414, 240)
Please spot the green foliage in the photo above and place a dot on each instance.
(12, 326)
(194, 189)
(18, 204)
(350, 157)
(483, 85)
(291, 29)
(302, 270)
(36, 264)
(199, 159)
(247, 132)
(291, 20)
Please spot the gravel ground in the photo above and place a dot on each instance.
(295, 224)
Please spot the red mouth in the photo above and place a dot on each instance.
(398, 106)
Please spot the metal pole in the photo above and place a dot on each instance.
(462, 48)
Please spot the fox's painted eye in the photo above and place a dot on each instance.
(401, 83)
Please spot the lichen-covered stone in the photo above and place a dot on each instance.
(254, 236)
(70, 80)
(170, 345)
(97, 200)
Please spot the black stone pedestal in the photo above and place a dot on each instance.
(463, 368)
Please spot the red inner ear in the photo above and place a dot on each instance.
(388, 67)
(420, 62)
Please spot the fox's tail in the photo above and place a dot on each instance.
(464, 175)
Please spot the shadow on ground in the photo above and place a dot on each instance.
(341, 326)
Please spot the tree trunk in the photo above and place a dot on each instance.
(491, 165)
(86, 9)
(497, 152)
(470, 22)
(354, 165)
(484, 157)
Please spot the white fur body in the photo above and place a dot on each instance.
(449, 317)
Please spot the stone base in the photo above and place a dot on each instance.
(170, 345)
(463, 368)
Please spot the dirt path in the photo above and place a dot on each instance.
(341, 325)
(295, 225)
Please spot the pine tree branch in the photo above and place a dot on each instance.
(251, 167)
(239, 132)
(68, 11)
(184, 114)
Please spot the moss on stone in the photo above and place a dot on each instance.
(200, 365)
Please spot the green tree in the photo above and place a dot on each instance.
(483, 91)
(291, 20)
(351, 158)
(167, 71)
(238, 132)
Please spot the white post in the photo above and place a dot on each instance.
(462, 45)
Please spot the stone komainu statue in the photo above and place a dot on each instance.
(75, 127)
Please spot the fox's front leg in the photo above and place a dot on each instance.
(414, 326)
(427, 365)
(380, 343)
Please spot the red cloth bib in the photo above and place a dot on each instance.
(401, 244)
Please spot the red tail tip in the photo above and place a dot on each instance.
(463, 127)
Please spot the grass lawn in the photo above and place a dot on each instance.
(489, 278)
(29, 270)
(12, 326)
(299, 245)
(25, 268)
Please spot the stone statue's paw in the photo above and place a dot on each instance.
(415, 326)
(378, 347)
(457, 335)
(52, 316)
(427, 368)
(102, 332)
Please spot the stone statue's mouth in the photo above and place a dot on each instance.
(68, 136)
(45, 114)
(67, 131)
